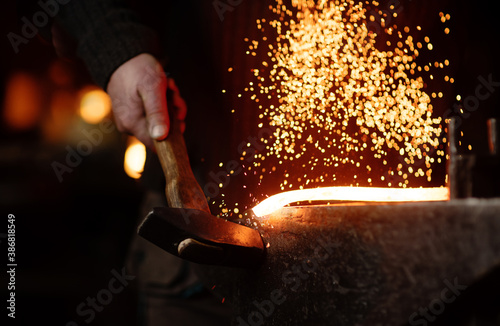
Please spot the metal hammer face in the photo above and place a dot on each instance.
(202, 238)
(187, 229)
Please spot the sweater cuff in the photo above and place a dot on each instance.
(106, 49)
(108, 34)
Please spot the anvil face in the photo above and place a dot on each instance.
(362, 263)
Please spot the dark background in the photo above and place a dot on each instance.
(71, 235)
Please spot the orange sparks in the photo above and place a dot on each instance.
(339, 95)
(329, 76)
(365, 194)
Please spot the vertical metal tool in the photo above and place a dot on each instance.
(493, 136)
(473, 174)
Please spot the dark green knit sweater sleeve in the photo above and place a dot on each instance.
(107, 33)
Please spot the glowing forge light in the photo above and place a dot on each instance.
(135, 157)
(95, 105)
(365, 194)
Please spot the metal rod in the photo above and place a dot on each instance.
(493, 136)
(452, 158)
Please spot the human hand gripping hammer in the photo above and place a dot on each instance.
(186, 228)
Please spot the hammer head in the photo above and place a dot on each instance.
(202, 238)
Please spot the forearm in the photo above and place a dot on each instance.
(107, 33)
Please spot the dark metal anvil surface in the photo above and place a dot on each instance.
(364, 264)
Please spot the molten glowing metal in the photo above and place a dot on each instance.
(366, 194)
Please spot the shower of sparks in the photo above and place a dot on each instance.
(339, 99)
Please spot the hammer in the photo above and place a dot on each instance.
(186, 228)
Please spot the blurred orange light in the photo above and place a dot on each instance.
(23, 99)
(366, 194)
(135, 157)
(59, 121)
(95, 105)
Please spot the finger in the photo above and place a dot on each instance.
(153, 95)
(180, 107)
(172, 85)
(126, 114)
(140, 131)
(178, 101)
(130, 119)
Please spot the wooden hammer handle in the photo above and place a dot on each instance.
(182, 190)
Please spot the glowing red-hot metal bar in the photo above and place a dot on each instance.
(365, 194)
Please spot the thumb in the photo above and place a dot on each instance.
(153, 95)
